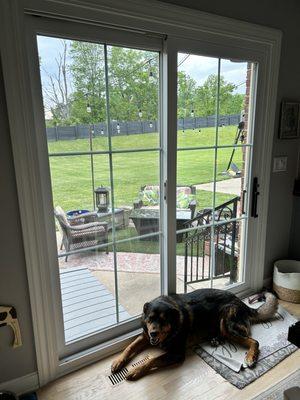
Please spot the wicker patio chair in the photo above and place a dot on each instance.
(80, 231)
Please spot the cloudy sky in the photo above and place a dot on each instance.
(198, 67)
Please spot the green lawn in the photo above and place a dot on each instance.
(71, 176)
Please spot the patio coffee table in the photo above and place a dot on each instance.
(146, 220)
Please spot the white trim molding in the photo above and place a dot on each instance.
(217, 35)
(23, 384)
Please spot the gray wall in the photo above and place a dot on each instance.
(13, 280)
(280, 14)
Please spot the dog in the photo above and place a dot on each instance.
(208, 314)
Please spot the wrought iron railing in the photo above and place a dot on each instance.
(198, 244)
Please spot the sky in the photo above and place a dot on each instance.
(198, 67)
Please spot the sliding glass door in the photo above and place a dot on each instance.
(214, 153)
(150, 151)
(101, 105)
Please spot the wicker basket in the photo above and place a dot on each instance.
(286, 280)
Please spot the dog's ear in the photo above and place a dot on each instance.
(146, 308)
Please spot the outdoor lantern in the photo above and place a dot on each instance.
(88, 108)
(192, 113)
(140, 113)
(118, 128)
(102, 199)
(151, 125)
(102, 131)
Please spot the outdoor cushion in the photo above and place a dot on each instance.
(150, 196)
(183, 200)
(183, 189)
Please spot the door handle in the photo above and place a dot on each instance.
(255, 194)
(243, 201)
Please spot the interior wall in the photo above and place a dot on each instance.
(13, 280)
(283, 15)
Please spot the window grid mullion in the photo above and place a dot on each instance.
(212, 241)
(111, 182)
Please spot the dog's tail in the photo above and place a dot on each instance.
(267, 310)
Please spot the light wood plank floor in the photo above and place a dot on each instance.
(193, 380)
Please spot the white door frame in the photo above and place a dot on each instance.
(34, 192)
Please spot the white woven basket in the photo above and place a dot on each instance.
(286, 280)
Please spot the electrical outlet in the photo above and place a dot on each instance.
(280, 164)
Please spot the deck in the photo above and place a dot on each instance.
(88, 306)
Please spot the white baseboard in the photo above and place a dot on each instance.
(24, 384)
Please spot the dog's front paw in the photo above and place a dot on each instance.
(251, 358)
(215, 342)
(135, 373)
(118, 364)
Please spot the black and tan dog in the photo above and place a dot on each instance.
(169, 321)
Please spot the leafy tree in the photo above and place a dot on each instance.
(79, 86)
(130, 88)
(187, 87)
(206, 97)
(88, 77)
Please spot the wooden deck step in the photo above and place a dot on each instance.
(88, 306)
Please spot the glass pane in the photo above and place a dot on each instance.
(138, 274)
(94, 200)
(232, 179)
(193, 258)
(234, 95)
(137, 193)
(73, 84)
(133, 97)
(195, 172)
(88, 297)
(229, 241)
(197, 94)
(74, 201)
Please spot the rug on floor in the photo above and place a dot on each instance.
(227, 359)
(276, 391)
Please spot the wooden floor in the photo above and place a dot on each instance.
(87, 304)
(193, 380)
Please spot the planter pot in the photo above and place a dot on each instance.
(286, 280)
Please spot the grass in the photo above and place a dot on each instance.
(71, 175)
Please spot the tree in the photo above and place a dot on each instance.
(206, 97)
(187, 87)
(87, 68)
(56, 93)
(130, 88)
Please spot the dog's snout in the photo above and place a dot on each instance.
(153, 334)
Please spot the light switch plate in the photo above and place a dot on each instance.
(280, 164)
